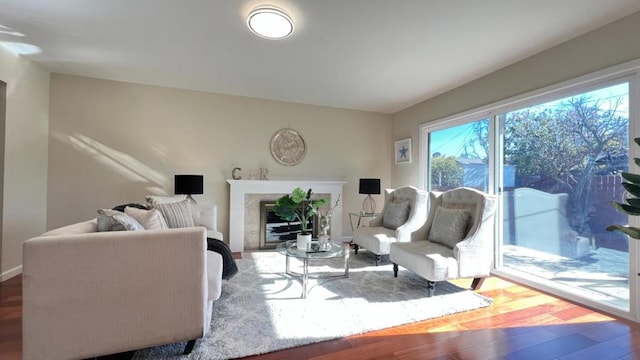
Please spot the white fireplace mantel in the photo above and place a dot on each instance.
(240, 188)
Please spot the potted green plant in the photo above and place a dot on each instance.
(632, 206)
(299, 206)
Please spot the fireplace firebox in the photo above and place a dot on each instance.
(274, 230)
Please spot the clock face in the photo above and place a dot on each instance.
(288, 147)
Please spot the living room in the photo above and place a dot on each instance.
(74, 144)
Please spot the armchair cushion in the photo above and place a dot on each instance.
(449, 226)
(395, 214)
(427, 259)
(375, 239)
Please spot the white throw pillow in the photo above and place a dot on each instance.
(449, 226)
(395, 214)
(177, 214)
(149, 219)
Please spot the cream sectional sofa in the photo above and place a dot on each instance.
(89, 293)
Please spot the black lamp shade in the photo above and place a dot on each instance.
(188, 184)
(369, 186)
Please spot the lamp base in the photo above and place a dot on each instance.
(190, 198)
(369, 205)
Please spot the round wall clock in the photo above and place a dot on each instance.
(288, 147)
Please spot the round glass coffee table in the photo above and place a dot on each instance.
(289, 249)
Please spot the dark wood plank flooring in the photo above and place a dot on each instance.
(521, 324)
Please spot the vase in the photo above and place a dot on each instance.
(323, 241)
(303, 242)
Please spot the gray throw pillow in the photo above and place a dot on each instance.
(449, 226)
(395, 214)
(113, 220)
(176, 214)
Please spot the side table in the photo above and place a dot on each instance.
(359, 216)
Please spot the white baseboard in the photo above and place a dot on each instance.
(11, 273)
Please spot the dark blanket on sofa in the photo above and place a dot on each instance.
(229, 267)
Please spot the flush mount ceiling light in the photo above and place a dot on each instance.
(270, 23)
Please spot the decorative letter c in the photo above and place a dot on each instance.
(234, 173)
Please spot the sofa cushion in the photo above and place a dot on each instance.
(150, 219)
(449, 226)
(113, 220)
(177, 214)
(204, 215)
(395, 214)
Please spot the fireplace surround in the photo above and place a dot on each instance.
(244, 206)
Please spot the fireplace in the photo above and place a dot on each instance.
(245, 196)
(274, 230)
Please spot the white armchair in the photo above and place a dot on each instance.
(404, 212)
(459, 244)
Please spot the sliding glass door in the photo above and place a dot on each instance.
(555, 161)
(564, 160)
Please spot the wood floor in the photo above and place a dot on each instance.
(521, 324)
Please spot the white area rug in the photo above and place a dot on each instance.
(261, 310)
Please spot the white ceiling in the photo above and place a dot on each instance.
(375, 55)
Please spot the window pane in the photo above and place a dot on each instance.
(561, 170)
(458, 156)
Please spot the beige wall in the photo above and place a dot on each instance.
(114, 142)
(25, 156)
(610, 45)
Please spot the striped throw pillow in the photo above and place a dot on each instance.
(177, 214)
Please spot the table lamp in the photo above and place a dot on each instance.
(188, 185)
(369, 186)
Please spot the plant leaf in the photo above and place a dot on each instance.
(627, 209)
(298, 195)
(635, 202)
(637, 140)
(632, 189)
(632, 178)
(630, 231)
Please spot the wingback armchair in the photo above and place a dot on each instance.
(404, 212)
(459, 244)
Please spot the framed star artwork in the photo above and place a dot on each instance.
(403, 151)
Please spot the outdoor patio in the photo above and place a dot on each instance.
(601, 276)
